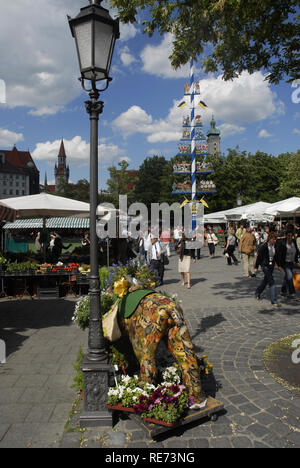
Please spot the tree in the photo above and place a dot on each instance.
(242, 35)
(121, 182)
(79, 191)
(264, 177)
(290, 185)
(147, 187)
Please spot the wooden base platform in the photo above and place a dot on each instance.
(152, 430)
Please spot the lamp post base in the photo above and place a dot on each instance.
(96, 384)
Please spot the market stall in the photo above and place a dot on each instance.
(42, 280)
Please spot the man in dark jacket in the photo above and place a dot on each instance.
(57, 248)
(267, 258)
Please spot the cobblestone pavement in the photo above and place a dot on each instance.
(228, 324)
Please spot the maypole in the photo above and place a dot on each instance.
(193, 145)
(192, 133)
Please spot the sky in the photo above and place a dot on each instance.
(41, 99)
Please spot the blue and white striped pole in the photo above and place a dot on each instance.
(193, 142)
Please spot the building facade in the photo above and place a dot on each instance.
(213, 138)
(19, 175)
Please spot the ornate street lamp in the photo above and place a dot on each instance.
(95, 33)
(239, 200)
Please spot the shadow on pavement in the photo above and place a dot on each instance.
(19, 319)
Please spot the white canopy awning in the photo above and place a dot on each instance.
(285, 208)
(252, 212)
(46, 205)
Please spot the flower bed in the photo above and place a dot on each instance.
(163, 404)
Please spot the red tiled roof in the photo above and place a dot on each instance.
(19, 158)
(50, 188)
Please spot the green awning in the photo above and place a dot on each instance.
(51, 223)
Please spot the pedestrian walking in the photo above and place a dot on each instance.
(155, 259)
(177, 236)
(37, 243)
(288, 256)
(165, 240)
(198, 239)
(211, 242)
(57, 248)
(230, 248)
(85, 242)
(267, 258)
(184, 262)
(247, 248)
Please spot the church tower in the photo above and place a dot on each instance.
(61, 170)
(213, 138)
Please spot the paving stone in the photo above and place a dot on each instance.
(233, 333)
(3, 430)
(258, 430)
(294, 437)
(115, 439)
(220, 442)
(70, 440)
(241, 442)
(198, 443)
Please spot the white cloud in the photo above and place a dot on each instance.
(8, 138)
(230, 129)
(38, 55)
(38, 61)
(296, 131)
(156, 60)
(127, 31)
(136, 120)
(244, 100)
(264, 134)
(126, 57)
(77, 152)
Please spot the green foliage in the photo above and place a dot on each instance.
(121, 182)
(79, 191)
(103, 274)
(22, 266)
(82, 309)
(78, 379)
(2, 260)
(149, 176)
(240, 35)
(290, 184)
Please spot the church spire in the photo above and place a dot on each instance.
(61, 171)
(62, 152)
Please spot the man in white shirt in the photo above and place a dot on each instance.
(154, 255)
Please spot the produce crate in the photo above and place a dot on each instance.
(43, 292)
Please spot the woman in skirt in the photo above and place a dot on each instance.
(184, 262)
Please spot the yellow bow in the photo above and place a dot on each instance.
(121, 287)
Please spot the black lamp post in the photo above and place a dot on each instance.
(95, 33)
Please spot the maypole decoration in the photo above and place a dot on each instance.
(193, 144)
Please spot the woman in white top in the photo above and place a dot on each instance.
(211, 242)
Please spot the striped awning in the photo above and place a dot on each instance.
(7, 213)
(51, 223)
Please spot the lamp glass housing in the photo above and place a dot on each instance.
(95, 33)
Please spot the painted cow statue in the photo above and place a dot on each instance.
(157, 318)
